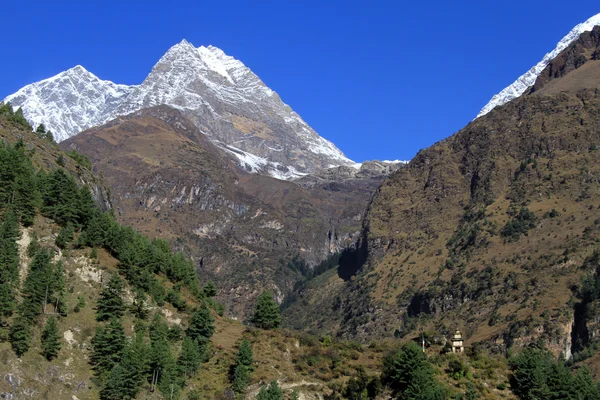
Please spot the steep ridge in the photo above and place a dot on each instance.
(218, 93)
(168, 180)
(528, 79)
(489, 231)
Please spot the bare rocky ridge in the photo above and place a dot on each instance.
(169, 180)
(219, 94)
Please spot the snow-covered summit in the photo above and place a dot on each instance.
(221, 95)
(525, 81)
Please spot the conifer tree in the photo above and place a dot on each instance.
(59, 290)
(7, 302)
(50, 339)
(65, 236)
(244, 356)
(272, 392)
(239, 380)
(107, 346)
(201, 326)
(190, 358)
(408, 372)
(266, 314)
(125, 380)
(9, 251)
(38, 286)
(210, 290)
(139, 308)
(110, 303)
(40, 130)
(20, 335)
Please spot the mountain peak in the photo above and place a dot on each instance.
(525, 81)
(217, 92)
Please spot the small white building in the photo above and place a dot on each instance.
(457, 343)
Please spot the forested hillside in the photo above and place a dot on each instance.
(91, 309)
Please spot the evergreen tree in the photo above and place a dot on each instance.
(126, 379)
(272, 392)
(110, 303)
(39, 285)
(107, 346)
(139, 308)
(244, 356)
(59, 290)
(50, 339)
(9, 251)
(7, 302)
(65, 236)
(239, 380)
(20, 335)
(407, 372)
(210, 290)
(266, 314)
(201, 326)
(190, 358)
(40, 130)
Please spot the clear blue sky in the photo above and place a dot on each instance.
(381, 79)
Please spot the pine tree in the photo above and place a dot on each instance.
(244, 356)
(7, 302)
(125, 380)
(59, 290)
(210, 290)
(201, 326)
(407, 371)
(38, 286)
(239, 380)
(9, 251)
(190, 358)
(107, 346)
(50, 339)
(65, 236)
(139, 308)
(266, 314)
(110, 303)
(272, 392)
(20, 335)
(40, 130)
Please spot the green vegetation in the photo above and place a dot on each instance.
(271, 392)
(80, 159)
(537, 375)
(50, 339)
(266, 313)
(6, 111)
(110, 303)
(519, 225)
(242, 368)
(409, 375)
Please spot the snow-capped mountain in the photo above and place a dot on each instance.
(223, 97)
(525, 81)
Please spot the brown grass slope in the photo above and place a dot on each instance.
(435, 258)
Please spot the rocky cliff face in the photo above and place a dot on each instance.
(169, 180)
(222, 97)
(487, 231)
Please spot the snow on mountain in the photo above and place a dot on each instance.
(69, 102)
(525, 81)
(222, 96)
